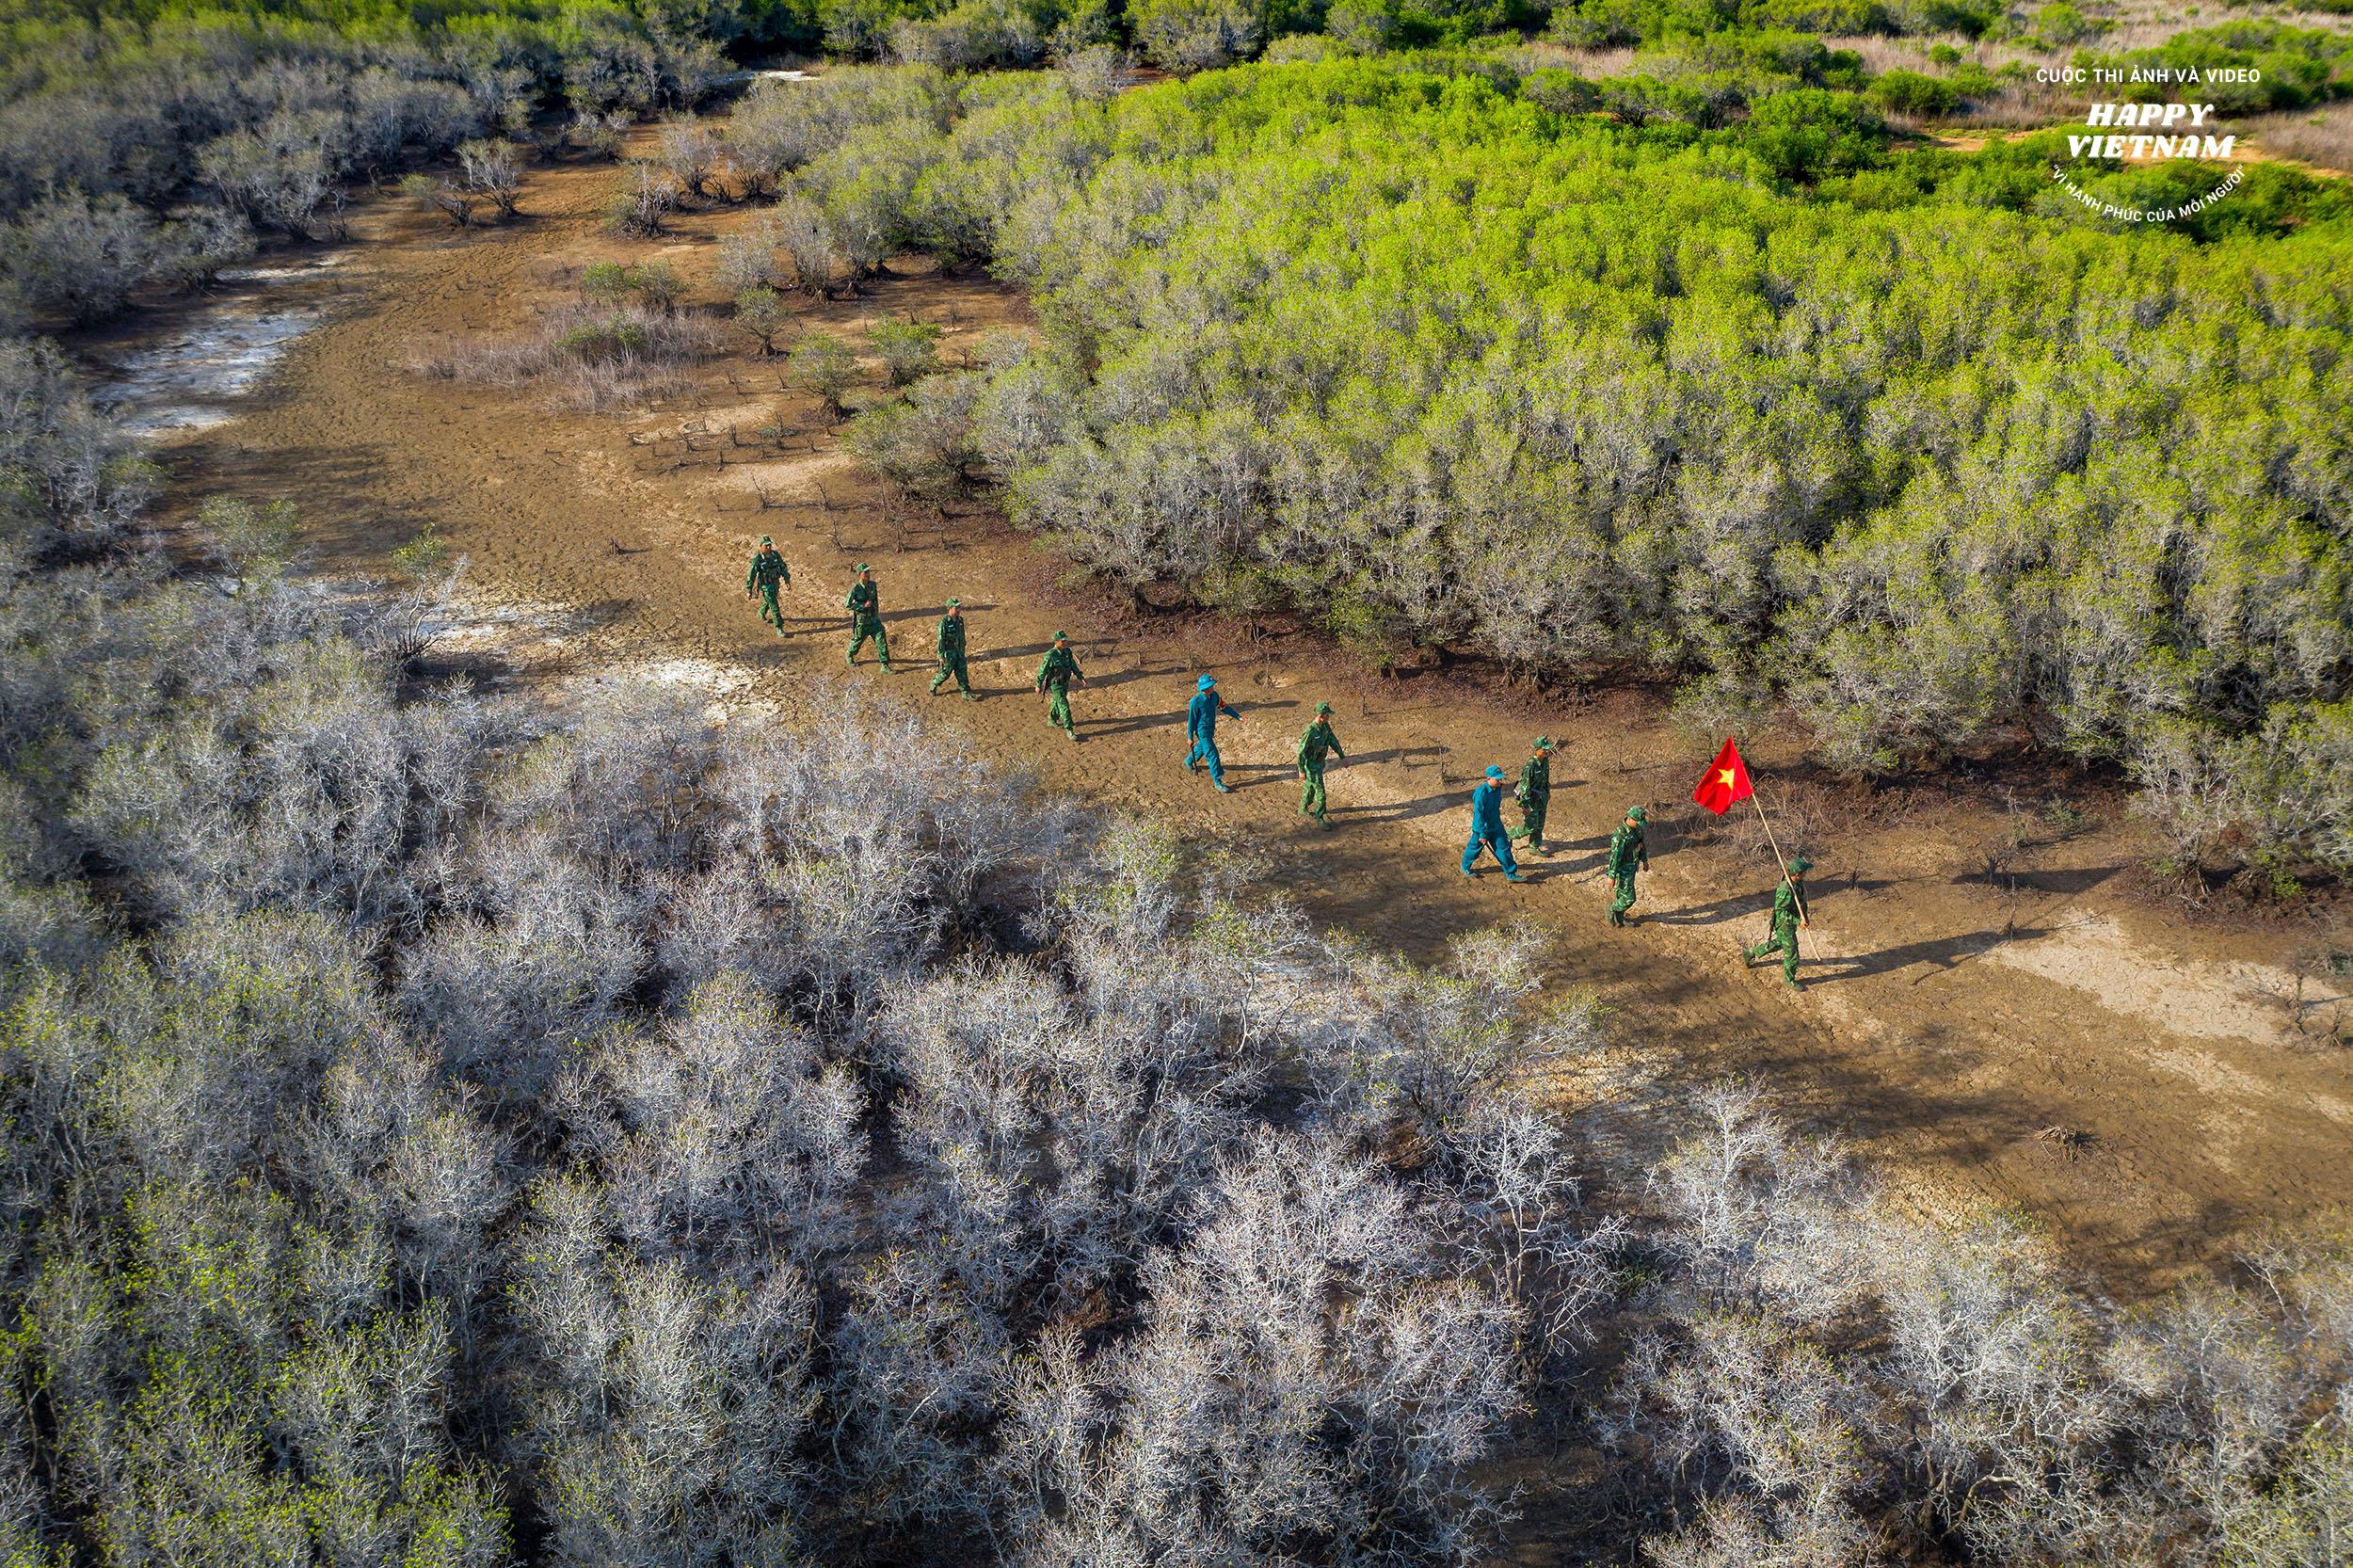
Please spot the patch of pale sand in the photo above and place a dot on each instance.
(479, 623)
(784, 473)
(2093, 954)
(2215, 1077)
(726, 691)
(712, 421)
(482, 622)
(703, 675)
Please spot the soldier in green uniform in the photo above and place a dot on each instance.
(865, 606)
(1788, 920)
(1314, 746)
(767, 575)
(1055, 672)
(1534, 794)
(1628, 852)
(950, 648)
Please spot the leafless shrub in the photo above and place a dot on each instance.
(279, 172)
(748, 260)
(439, 197)
(413, 613)
(1189, 35)
(760, 316)
(643, 199)
(691, 158)
(599, 136)
(799, 229)
(1433, 1050)
(1099, 73)
(493, 169)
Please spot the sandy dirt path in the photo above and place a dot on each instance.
(2000, 1011)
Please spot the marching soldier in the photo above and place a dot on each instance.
(767, 575)
(1201, 716)
(1055, 672)
(1314, 746)
(865, 606)
(1534, 794)
(1487, 829)
(950, 647)
(1628, 852)
(1788, 920)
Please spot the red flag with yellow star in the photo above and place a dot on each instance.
(1725, 784)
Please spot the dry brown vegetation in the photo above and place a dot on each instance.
(2321, 137)
(585, 357)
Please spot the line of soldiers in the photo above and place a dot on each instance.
(1059, 670)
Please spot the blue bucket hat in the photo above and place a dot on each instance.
(1208, 681)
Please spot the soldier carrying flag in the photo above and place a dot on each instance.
(1723, 786)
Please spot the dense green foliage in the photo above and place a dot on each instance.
(1605, 22)
(1909, 446)
(2294, 65)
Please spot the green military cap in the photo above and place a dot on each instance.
(1635, 813)
(1061, 636)
(863, 568)
(1799, 866)
(1544, 743)
(765, 540)
(1324, 707)
(956, 604)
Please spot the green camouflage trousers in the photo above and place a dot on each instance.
(1311, 800)
(1625, 898)
(867, 627)
(954, 667)
(1784, 941)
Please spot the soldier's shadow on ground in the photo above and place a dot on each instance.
(1732, 908)
(1121, 678)
(597, 617)
(1820, 889)
(1037, 650)
(2079, 879)
(1946, 954)
(1401, 811)
(1141, 721)
(1412, 756)
(1246, 776)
